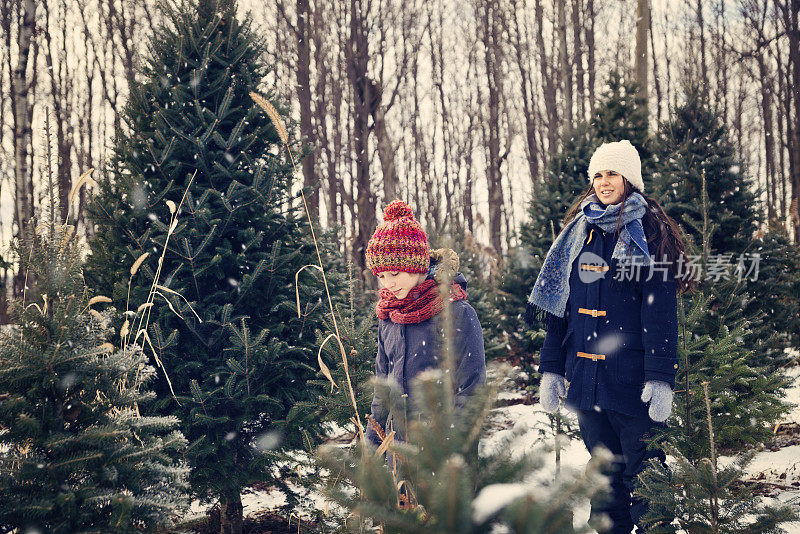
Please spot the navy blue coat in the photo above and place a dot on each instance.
(638, 335)
(405, 350)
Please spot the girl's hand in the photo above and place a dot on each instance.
(551, 388)
(659, 395)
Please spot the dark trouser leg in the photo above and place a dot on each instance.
(634, 433)
(596, 429)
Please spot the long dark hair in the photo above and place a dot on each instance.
(664, 235)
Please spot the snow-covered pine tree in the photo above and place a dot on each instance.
(75, 453)
(695, 146)
(692, 144)
(447, 487)
(703, 494)
(713, 349)
(201, 171)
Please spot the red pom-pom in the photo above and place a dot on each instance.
(395, 210)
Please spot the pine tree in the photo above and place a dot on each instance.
(773, 295)
(716, 372)
(695, 143)
(76, 453)
(705, 496)
(693, 147)
(713, 348)
(444, 478)
(198, 194)
(732, 372)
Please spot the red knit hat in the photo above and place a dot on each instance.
(399, 244)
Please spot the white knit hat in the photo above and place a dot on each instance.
(621, 157)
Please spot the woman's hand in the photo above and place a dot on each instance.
(551, 388)
(659, 395)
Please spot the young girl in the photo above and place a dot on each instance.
(608, 294)
(399, 255)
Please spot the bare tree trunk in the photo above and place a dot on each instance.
(378, 109)
(642, 27)
(123, 24)
(703, 63)
(385, 150)
(548, 83)
(21, 88)
(61, 89)
(469, 221)
(721, 61)
(783, 114)
(4, 316)
(438, 58)
(323, 108)
(565, 64)
(656, 77)
(358, 57)
(577, 26)
(494, 176)
(231, 514)
(769, 142)
(790, 13)
(528, 104)
(303, 70)
(589, 30)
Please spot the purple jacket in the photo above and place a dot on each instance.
(405, 350)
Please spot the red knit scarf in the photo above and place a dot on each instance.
(422, 302)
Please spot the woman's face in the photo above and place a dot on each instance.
(609, 186)
(400, 282)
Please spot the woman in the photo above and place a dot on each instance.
(607, 292)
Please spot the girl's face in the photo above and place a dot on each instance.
(609, 186)
(400, 282)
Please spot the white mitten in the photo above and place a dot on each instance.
(659, 395)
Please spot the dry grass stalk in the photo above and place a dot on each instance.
(297, 286)
(98, 298)
(283, 134)
(137, 264)
(146, 308)
(273, 115)
(324, 368)
(85, 178)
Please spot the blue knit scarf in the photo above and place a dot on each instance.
(551, 291)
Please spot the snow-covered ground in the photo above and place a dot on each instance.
(779, 469)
